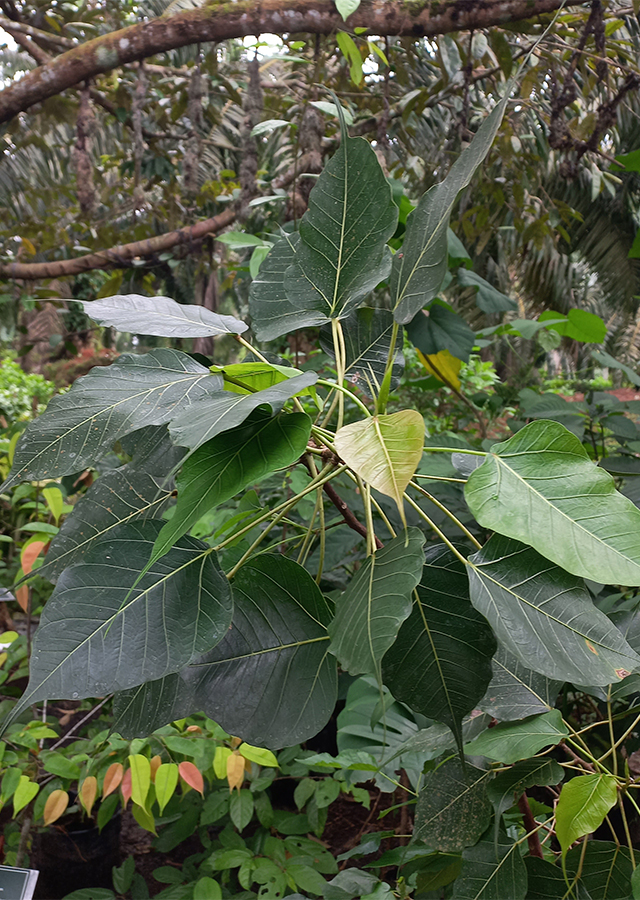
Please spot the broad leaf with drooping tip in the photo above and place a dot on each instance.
(384, 450)
(583, 804)
(98, 634)
(545, 617)
(440, 663)
(139, 711)
(79, 427)
(509, 742)
(271, 680)
(160, 316)
(376, 602)
(439, 328)
(540, 487)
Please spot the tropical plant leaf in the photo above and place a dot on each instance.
(221, 412)
(272, 313)
(79, 427)
(545, 880)
(160, 316)
(376, 602)
(436, 739)
(540, 487)
(507, 786)
(453, 809)
(122, 636)
(583, 804)
(515, 691)
(439, 328)
(605, 869)
(492, 870)
(545, 617)
(250, 377)
(384, 450)
(271, 680)
(488, 298)
(510, 741)
(418, 271)
(138, 712)
(367, 338)
(342, 253)
(221, 467)
(440, 663)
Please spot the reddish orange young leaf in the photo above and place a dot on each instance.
(88, 793)
(30, 554)
(126, 787)
(155, 762)
(235, 770)
(112, 779)
(191, 776)
(194, 729)
(56, 804)
(22, 596)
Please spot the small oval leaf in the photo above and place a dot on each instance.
(56, 805)
(235, 770)
(89, 792)
(112, 779)
(192, 776)
(165, 783)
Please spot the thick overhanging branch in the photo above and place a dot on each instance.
(239, 18)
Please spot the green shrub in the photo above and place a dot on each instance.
(22, 395)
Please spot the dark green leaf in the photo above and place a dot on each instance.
(377, 601)
(221, 467)
(510, 741)
(545, 617)
(515, 691)
(605, 869)
(367, 338)
(79, 427)
(488, 298)
(440, 663)
(453, 809)
(606, 360)
(540, 487)
(160, 316)
(419, 270)
(546, 881)
(507, 786)
(492, 871)
(271, 680)
(272, 313)
(439, 328)
(211, 416)
(98, 634)
(141, 710)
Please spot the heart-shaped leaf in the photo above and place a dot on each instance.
(583, 804)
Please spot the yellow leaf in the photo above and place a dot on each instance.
(154, 764)
(88, 793)
(220, 761)
(28, 246)
(444, 366)
(235, 770)
(56, 804)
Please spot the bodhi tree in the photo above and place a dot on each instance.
(486, 627)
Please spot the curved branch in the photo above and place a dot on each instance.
(240, 18)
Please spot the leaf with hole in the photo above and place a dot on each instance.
(160, 316)
(376, 602)
(541, 487)
(271, 680)
(440, 663)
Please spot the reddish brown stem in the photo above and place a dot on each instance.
(530, 826)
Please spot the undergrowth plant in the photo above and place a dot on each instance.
(506, 605)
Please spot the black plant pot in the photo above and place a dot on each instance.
(69, 857)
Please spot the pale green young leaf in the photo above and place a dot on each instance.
(541, 487)
(24, 793)
(376, 602)
(140, 778)
(510, 741)
(583, 804)
(161, 316)
(384, 450)
(258, 755)
(346, 7)
(165, 783)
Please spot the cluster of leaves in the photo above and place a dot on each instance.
(22, 395)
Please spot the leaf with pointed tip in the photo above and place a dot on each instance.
(367, 338)
(507, 786)
(271, 680)
(97, 634)
(251, 377)
(510, 741)
(139, 711)
(342, 253)
(545, 617)
(79, 427)
(488, 298)
(160, 316)
(541, 487)
(384, 450)
(272, 313)
(440, 663)
(229, 462)
(418, 271)
(439, 328)
(213, 415)
(492, 870)
(515, 691)
(583, 804)
(376, 602)
(453, 809)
